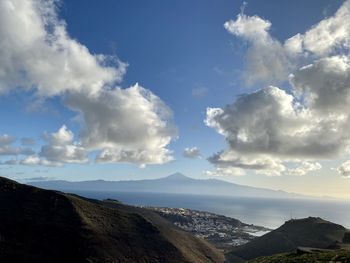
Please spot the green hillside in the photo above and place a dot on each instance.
(339, 256)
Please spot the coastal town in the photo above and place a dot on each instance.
(223, 232)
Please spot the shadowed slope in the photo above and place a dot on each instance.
(46, 226)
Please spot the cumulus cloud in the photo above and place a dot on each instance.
(304, 168)
(329, 35)
(344, 169)
(62, 149)
(45, 58)
(141, 157)
(269, 61)
(36, 160)
(10, 150)
(262, 164)
(130, 125)
(7, 148)
(269, 121)
(325, 84)
(191, 152)
(225, 171)
(123, 125)
(266, 59)
(267, 129)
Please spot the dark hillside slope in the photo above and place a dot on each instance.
(46, 226)
(198, 250)
(307, 232)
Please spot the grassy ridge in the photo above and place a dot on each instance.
(308, 232)
(338, 256)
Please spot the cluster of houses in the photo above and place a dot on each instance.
(220, 230)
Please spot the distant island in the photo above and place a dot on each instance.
(176, 183)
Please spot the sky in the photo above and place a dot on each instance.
(255, 92)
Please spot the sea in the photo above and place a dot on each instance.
(267, 212)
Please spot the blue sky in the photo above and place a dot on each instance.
(181, 52)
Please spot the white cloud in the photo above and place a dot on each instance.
(270, 121)
(59, 149)
(344, 169)
(304, 168)
(294, 45)
(62, 149)
(7, 149)
(267, 129)
(36, 160)
(227, 171)
(324, 84)
(262, 164)
(192, 152)
(129, 125)
(10, 150)
(329, 34)
(266, 59)
(125, 125)
(141, 157)
(249, 27)
(269, 61)
(45, 58)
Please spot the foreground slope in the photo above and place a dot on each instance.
(307, 232)
(45, 226)
(338, 256)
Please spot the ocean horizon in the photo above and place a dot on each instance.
(267, 212)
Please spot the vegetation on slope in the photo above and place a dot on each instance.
(339, 256)
(307, 232)
(45, 226)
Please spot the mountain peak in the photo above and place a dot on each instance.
(177, 176)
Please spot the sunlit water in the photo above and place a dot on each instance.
(259, 211)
